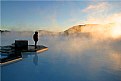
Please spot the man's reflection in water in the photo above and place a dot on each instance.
(35, 59)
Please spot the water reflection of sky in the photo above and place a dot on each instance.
(68, 59)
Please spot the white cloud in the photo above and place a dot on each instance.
(102, 13)
(113, 18)
(97, 7)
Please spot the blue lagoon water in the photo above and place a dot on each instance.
(67, 59)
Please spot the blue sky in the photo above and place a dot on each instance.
(53, 15)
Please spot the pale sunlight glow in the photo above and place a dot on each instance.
(116, 31)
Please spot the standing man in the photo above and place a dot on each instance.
(35, 37)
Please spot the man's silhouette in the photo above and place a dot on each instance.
(35, 37)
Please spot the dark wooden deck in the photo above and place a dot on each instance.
(31, 48)
(40, 48)
(14, 54)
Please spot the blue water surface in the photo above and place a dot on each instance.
(67, 59)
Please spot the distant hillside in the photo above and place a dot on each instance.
(79, 30)
(88, 28)
(91, 30)
(74, 29)
(4, 31)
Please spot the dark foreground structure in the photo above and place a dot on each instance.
(14, 52)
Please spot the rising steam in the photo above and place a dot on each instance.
(100, 14)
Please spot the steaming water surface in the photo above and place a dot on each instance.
(68, 59)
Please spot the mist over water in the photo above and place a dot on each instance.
(69, 58)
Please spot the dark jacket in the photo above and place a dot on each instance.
(35, 37)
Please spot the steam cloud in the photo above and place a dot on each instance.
(73, 45)
(100, 14)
